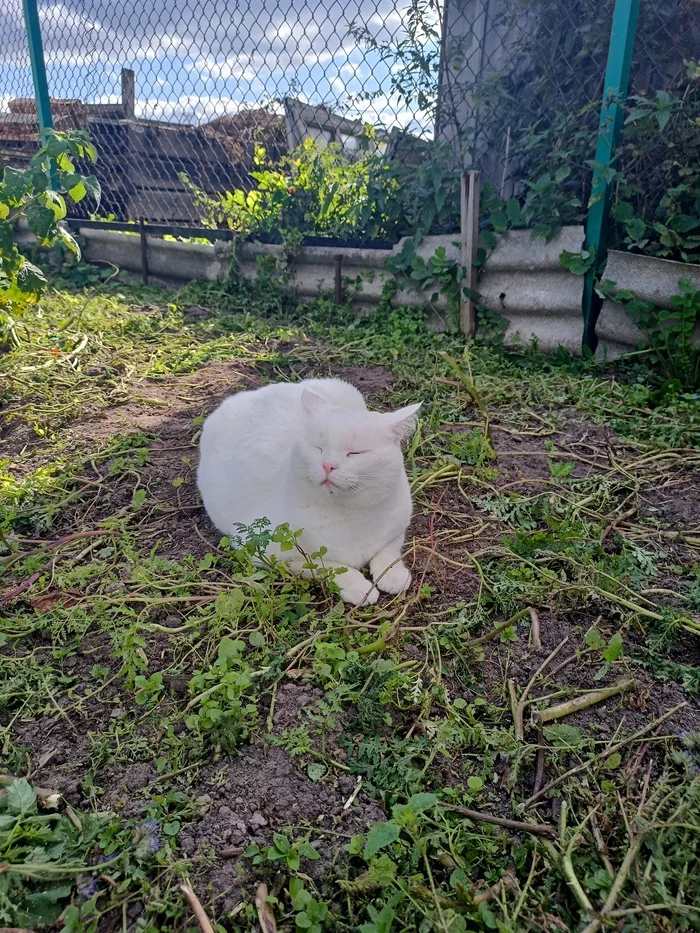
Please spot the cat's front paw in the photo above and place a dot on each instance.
(356, 589)
(396, 579)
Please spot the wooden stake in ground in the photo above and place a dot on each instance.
(470, 245)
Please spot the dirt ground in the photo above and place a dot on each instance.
(243, 799)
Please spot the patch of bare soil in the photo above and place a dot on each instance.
(373, 381)
(164, 407)
(244, 799)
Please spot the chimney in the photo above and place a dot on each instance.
(128, 93)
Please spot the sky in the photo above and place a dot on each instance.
(199, 59)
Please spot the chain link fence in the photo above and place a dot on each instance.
(355, 118)
(520, 95)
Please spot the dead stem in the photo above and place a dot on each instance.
(266, 918)
(539, 763)
(640, 733)
(473, 393)
(581, 702)
(537, 829)
(520, 708)
(507, 885)
(197, 909)
(515, 708)
(618, 884)
(602, 847)
(494, 633)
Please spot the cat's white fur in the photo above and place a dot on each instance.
(262, 455)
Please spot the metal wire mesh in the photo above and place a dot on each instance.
(15, 82)
(521, 85)
(660, 152)
(178, 96)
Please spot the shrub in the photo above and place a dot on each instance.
(38, 193)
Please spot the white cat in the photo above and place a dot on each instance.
(310, 454)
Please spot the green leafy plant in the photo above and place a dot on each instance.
(311, 913)
(658, 192)
(381, 921)
(544, 209)
(42, 851)
(405, 818)
(610, 651)
(148, 689)
(577, 263)
(38, 193)
(222, 697)
(472, 448)
(282, 850)
(560, 469)
(413, 57)
(130, 648)
(439, 276)
(313, 190)
(668, 331)
(435, 276)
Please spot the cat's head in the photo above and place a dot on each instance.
(351, 453)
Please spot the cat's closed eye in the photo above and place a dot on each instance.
(356, 453)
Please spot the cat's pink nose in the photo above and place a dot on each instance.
(329, 467)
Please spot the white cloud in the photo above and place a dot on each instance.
(390, 111)
(57, 15)
(227, 68)
(188, 108)
(189, 54)
(391, 20)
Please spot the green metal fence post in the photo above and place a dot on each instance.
(36, 57)
(617, 75)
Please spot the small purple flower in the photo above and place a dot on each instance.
(689, 749)
(691, 761)
(149, 831)
(88, 887)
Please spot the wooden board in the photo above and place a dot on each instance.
(470, 244)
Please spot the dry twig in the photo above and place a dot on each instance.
(582, 702)
(537, 829)
(535, 637)
(268, 924)
(200, 915)
(640, 733)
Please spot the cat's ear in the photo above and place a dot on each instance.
(402, 423)
(312, 402)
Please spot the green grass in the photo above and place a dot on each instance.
(152, 675)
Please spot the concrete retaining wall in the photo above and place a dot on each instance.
(650, 279)
(522, 279)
